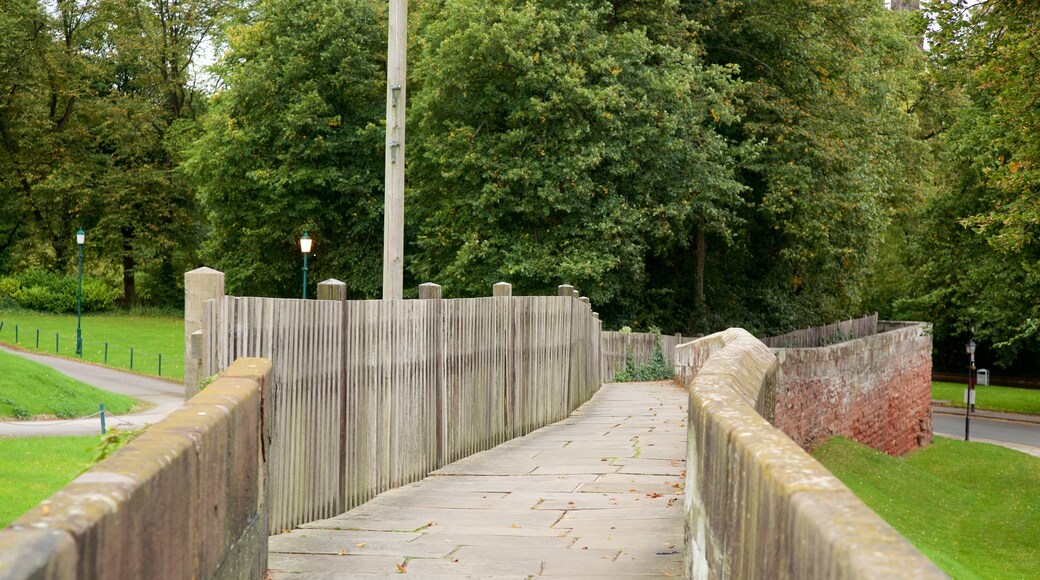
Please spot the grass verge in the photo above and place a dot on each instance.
(970, 507)
(989, 398)
(29, 389)
(127, 341)
(33, 468)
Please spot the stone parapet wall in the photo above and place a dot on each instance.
(186, 499)
(757, 505)
(875, 390)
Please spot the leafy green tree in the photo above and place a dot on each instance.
(293, 142)
(978, 254)
(829, 94)
(564, 142)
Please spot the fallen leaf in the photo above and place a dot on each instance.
(585, 548)
(401, 569)
(454, 559)
(286, 530)
(653, 495)
(676, 486)
(342, 552)
(514, 526)
(633, 491)
(361, 545)
(429, 524)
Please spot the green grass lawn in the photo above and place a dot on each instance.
(33, 468)
(1005, 399)
(29, 389)
(970, 507)
(148, 336)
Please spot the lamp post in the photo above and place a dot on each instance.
(969, 394)
(305, 246)
(80, 239)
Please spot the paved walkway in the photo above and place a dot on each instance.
(162, 396)
(595, 495)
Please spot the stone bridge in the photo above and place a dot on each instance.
(481, 438)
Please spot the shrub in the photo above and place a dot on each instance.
(655, 369)
(50, 292)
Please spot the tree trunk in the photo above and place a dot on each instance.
(702, 255)
(129, 291)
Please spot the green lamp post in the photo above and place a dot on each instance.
(80, 239)
(305, 246)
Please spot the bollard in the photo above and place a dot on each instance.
(131, 358)
(160, 364)
(37, 339)
(102, 418)
(106, 353)
(16, 334)
(1, 325)
(55, 343)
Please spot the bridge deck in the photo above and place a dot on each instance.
(597, 495)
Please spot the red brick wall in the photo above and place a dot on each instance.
(876, 390)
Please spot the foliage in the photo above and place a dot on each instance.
(148, 334)
(829, 92)
(990, 398)
(977, 252)
(56, 293)
(33, 468)
(293, 142)
(655, 369)
(110, 442)
(92, 93)
(935, 495)
(564, 142)
(29, 389)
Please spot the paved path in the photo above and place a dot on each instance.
(989, 427)
(595, 495)
(162, 396)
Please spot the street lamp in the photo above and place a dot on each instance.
(80, 239)
(305, 246)
(969, 394)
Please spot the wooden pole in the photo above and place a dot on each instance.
(393, 216)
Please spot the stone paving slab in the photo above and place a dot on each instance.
(592, 496)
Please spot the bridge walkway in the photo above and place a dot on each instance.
(598, 494)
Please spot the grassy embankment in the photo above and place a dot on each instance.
(148, 336)
(30, 390)
(970, 507)
(990, 398)
(33, 468)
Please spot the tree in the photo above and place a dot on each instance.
(829, 95)
(293, 142)
(564, 142)
(978, 259)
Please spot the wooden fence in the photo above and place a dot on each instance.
(371, 395)
(824, 335)
(618, 348)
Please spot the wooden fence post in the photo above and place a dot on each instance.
(332, 289)
(200, 285)
(565, 290)
(430, 291)
(502, 289)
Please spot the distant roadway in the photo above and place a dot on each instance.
(1022, 436)
(161, 396)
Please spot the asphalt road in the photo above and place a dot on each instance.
(1022, 436)
(162, 398)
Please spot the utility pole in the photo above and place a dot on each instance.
(393, 205)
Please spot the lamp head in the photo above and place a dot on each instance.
(305, 243)
(970, 347)
(81, 237)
